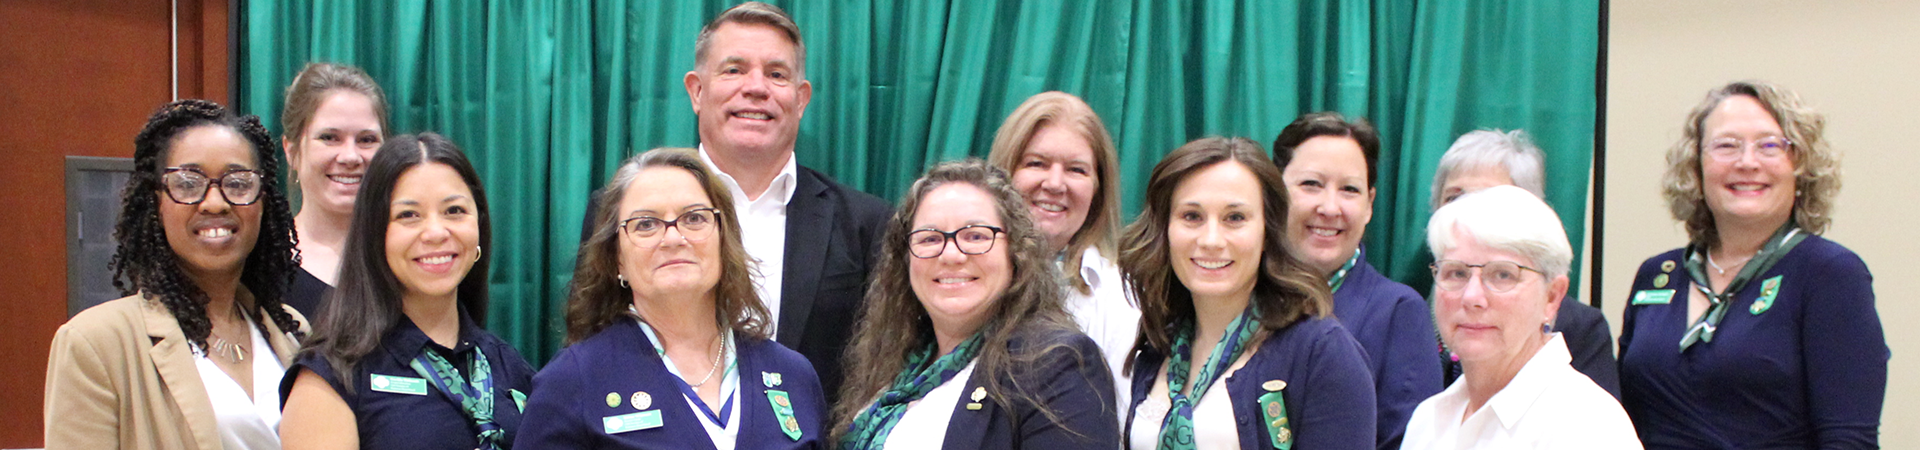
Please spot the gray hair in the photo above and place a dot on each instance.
(1511, 150)
(754, 13)
(1505, 218)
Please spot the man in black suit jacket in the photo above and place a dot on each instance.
(749, 89)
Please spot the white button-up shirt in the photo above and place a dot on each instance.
(1110, 317)
(763, 229)
(1547, 405)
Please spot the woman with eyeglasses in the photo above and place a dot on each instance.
(398, 360)
(1759, 333)
(668, 342)
(1501, 272)
(963, 343)
(191, 359)
(1238, 348)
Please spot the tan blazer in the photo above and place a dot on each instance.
(121, 375)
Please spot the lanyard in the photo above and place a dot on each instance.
(727, 387)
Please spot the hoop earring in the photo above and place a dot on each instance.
(478, 252)
(623, 281)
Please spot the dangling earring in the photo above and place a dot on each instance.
(623, 281)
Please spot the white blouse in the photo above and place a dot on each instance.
(1547, 404)
(1110, 317)
(924, 425)
(245, 422)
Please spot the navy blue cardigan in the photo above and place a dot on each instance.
(1395, 326)
(1808, 372)
(569, 398)
(1071, 379)
(1329, 391)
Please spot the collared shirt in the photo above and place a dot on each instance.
(423, 418)
(1547, 404)
(763, 228)
(1109, 317)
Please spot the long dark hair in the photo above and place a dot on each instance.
(366, 303)
(894, 323)
(1284, 288)
(595, 297)
(144, 262)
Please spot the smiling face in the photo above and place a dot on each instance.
(668, 263)
(1496, 329)
(1473, 179)
(1331, 201)
(331, 155)
(749, 95)
(958, 290)
(1216, 235)
(212, 239)
(433, 231)
(1752, 189)
(1058, 177)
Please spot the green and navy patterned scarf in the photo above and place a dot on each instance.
(1176, 433)
(475, 396)
(922, 373)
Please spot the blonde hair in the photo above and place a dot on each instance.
(1816, 166)
(1102, 224)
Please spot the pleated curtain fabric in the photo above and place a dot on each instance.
(547, 97)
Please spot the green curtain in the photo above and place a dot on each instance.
(547, 97)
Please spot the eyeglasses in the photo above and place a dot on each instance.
(187, 186)
(1496, 276)
(696, 224)
(971, 240)
(1729, 149)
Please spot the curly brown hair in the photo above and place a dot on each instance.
(1816, 165)
(1285, 289)
(894, 323)
(595, 296)
(145, 263)
(1103, 215)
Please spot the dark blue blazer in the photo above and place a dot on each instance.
(833, 238)
(1071, 379)
(1329, 391)
(1808, 372)
(1395, 326)
(569, 397)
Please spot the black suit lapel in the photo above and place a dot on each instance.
(809, 227)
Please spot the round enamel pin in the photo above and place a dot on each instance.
(1273, 385)
(1666, 266)
(613, 400)
(642, 401)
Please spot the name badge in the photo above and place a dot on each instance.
(1653, 297)
(399, 385)
(630, 422)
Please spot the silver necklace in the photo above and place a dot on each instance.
(1719, 270)
(716, 360)
(220, 347)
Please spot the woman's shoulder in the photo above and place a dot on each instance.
(1655, 263)
(1310, 339)
(1053, 338)
(117, 318)
(773, 353)
(1818, 250)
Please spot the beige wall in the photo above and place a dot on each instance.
(1858, 62)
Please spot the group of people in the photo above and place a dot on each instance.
(1002, 304)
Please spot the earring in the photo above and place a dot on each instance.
(623, 281)
(477, 252)
(1546, 327)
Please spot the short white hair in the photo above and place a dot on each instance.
(1510, 150)
(1505, 218)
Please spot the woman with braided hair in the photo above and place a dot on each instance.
(192, 357)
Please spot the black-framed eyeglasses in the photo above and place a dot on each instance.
(971, 240)
(695, 224)
(1496, 276)
(189, 186)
